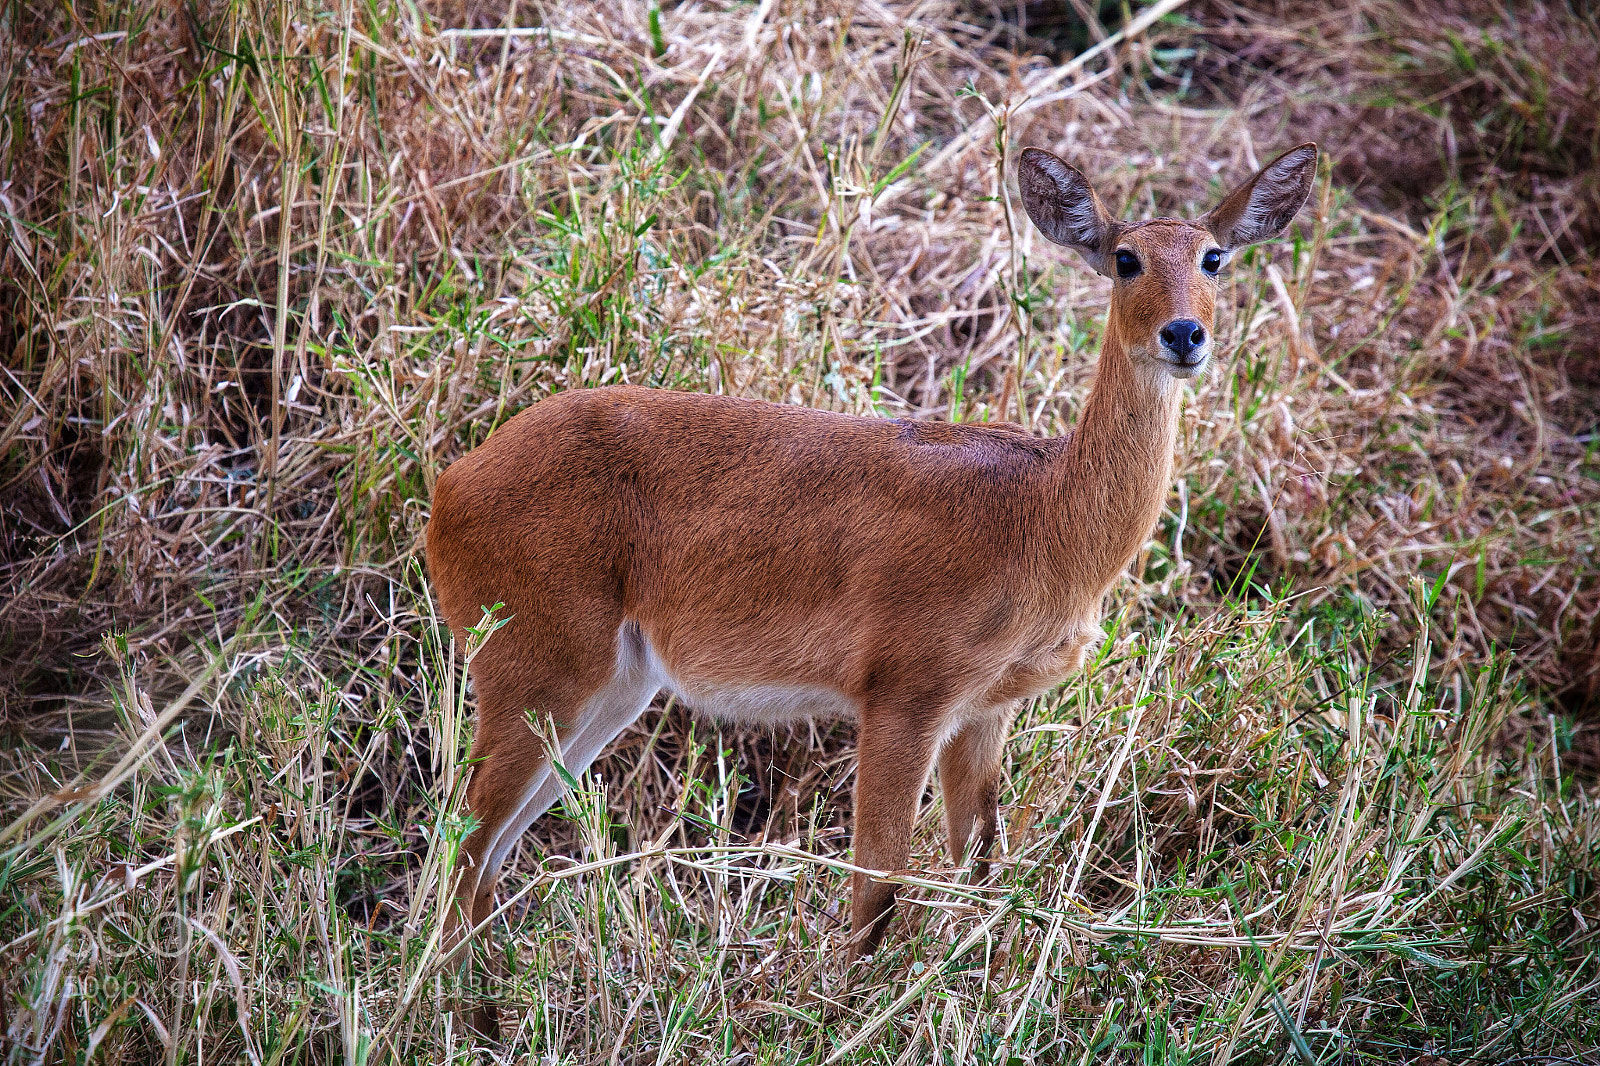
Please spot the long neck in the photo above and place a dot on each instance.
(1117, 469)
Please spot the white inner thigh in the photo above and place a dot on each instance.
(639, 674)
(634, 683)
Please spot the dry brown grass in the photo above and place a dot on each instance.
(1468, 137)
(268, 268)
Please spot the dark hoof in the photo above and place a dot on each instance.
(484, 1022)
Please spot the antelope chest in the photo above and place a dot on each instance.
(1043, 660)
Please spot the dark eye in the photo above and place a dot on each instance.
(1211, 262)
(1127, 264)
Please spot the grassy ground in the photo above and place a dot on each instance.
(1328, 794)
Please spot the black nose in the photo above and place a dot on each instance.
(1182, 336)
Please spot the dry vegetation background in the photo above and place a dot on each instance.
(1329, 794)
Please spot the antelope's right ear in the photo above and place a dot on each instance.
(1064, 207)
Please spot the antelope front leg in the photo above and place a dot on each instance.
(895, 753)
(969, 777)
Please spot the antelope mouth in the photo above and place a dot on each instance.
(1186, 366)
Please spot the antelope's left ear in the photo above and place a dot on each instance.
(1263, 207)
(1064, 206)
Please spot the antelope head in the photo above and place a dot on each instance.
(1164, 271)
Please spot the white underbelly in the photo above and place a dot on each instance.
(765, 704)
(758, 703)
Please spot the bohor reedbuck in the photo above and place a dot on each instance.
(768, 562)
